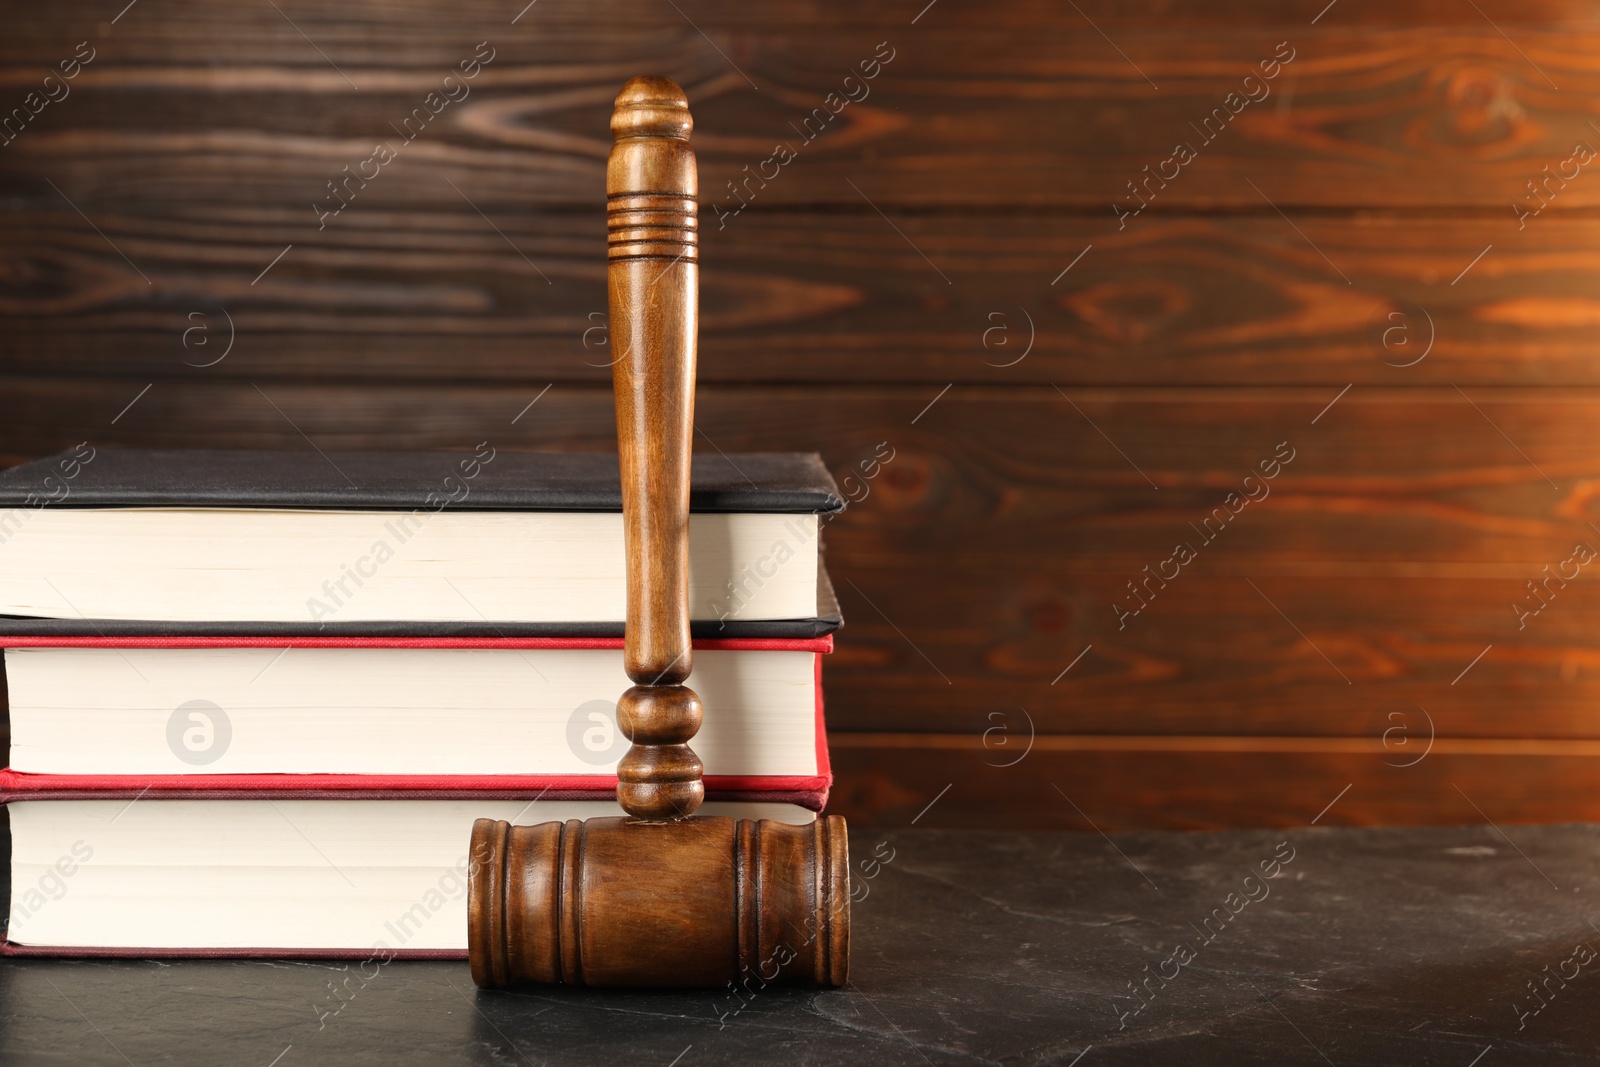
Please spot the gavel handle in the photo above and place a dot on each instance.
(653, 281)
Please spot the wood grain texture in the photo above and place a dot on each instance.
(1012, 654)
(1200, 300)
(871, 299)
(1092, 786)
(1426, 116)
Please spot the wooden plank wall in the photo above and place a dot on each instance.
(1346, 277)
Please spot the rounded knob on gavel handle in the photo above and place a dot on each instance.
(659, 898)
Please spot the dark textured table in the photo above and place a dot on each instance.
(1369, 947)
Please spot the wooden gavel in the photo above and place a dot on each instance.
(662, 897)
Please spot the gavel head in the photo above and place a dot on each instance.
(628, 902)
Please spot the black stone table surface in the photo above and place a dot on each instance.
(1463, 947)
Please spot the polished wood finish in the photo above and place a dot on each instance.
(1395, 143)
(659, 898)
(707, 901)
(654, 297)
(654, 286)
(659, 776)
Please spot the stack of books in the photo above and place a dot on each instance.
(257, 699)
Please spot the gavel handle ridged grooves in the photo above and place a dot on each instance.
(659, 898)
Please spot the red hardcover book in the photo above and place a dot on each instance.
(73, 831)
(807, 786)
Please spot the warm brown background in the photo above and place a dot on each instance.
(989, 550)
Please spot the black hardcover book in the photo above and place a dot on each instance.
(485, 480)
(131, 542)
